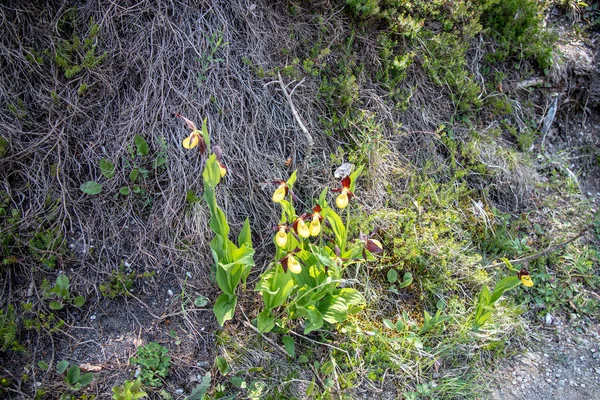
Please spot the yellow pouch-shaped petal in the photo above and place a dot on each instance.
(342, 200)
(281, 238)
(315, 227)
(279, 193)
(303, 230)
(191, 141)
(294, 265)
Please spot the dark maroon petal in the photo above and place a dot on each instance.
(284, 263)
(337, 250)
(317, 208)
(372, 247)
(346, 182)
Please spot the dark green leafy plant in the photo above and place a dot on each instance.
(154, 363)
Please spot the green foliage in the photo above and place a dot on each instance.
(72, 54)
(486, 300)
(130, 390)
(60, 291)
(310, 290)
(9, 330)
(4, 146)
(516, 26)
(233, 262)
(154, 363)
(214, 44)
(74, 379)
(121, 283)
(91, 187)
(199, 391)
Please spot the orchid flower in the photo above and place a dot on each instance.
(525, 278)
(291, 262)
(195, 138)
(281, 237)
(315, 224)
(345, 195)
(280, 192)
(300, 226)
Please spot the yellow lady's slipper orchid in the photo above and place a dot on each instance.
(222, 170)
(525, 278)
(192, 141)
(342, 200)
(302, 229)
(315, 226)
(280, 193)
(293, 265)
(281, 237)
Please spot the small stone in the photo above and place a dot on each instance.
(549, 380)
(561, 382)
(583, 385)
(170, 292)
(179, 391)
(93, 317)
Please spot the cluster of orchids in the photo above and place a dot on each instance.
(312, 251)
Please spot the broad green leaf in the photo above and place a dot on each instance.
(107, 168)
(407, 279)
(392, 276)
(311, 389)
(136, 189)
(42, 365)
(502, 286)
(327, 368)
(388, 323)
(62, 281)
(73, 374)
(238, 382)
(245, 236)
(133, 175)
(224, 308)
(86, 379)
(290, 345)
(354, 176)
(200, 390)
(78, 301)
(158, 162)
(302, 359)
(55, 305)
(334, 309)
(125, 191)
(62, 366)
(212, 173)
(315, 320)
(91, 188)
(141, 145)
(265, 321)
(222, 365)
(354, 299)
(400, 325)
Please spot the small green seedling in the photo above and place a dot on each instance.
(61, 292)
(130, 390)
(74, 379)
